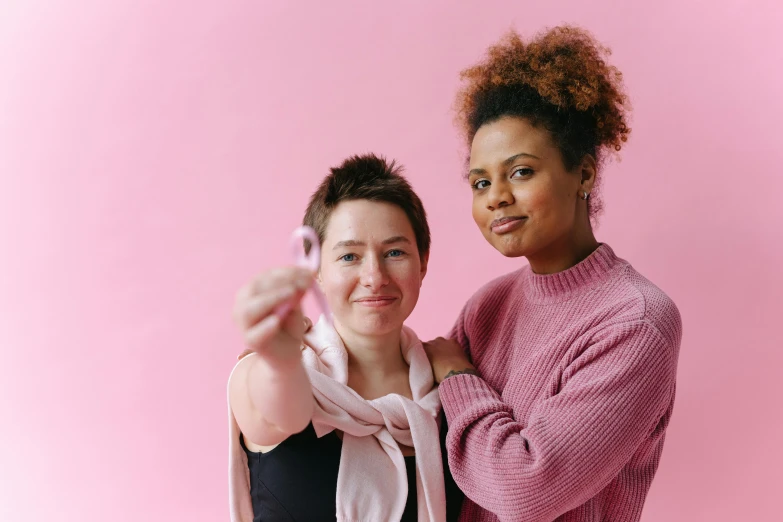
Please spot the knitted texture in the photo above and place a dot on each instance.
(577, 380)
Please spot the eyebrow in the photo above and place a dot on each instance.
(353, 242)
(505, 163)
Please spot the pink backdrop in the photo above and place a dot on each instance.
(154, 157)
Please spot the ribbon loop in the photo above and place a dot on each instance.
(310, 260)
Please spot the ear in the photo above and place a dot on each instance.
(424, 261)
(587, 172)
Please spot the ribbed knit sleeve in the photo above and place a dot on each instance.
(605, 403)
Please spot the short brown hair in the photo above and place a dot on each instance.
(372, 178)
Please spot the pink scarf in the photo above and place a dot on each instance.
(372, 483)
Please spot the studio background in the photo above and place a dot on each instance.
(156, 155)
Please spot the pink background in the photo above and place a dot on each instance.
(154, 157)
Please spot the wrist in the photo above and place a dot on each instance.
(456, 368)
(281, 360)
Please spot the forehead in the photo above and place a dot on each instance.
(364, 220)
(495, 142)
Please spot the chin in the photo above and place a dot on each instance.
(512, 252)
(510, 248)
(376, 326)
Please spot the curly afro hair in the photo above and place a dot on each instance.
(559, 81)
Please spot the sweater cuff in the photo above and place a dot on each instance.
(465, 390)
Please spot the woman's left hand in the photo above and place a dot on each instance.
(446, 357)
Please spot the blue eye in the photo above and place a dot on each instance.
(348, 258)
(395, 253)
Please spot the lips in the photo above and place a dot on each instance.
(506, 224)
(376, 300)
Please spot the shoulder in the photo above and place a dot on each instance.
(241, 407)
(484, 310)
(648, 303)
(497, 291)
(240, 368)
(238, 381)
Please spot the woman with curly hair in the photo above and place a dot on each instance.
(559, 409)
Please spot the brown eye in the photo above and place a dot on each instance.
(524, 172)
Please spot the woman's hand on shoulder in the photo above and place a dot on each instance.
(447, 358)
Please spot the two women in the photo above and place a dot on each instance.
(558, 379)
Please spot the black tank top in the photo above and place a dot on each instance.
(297, 480)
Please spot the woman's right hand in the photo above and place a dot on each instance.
(277, 341)
(270, 395)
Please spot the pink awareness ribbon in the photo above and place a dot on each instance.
(311, 260)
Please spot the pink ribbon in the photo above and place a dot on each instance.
(311, 260)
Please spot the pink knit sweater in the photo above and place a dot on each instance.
(568, 418)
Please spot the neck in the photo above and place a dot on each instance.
(564, 253)
(373, 356)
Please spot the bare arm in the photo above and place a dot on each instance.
(269, 391)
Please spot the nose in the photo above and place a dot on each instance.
(374, 275)
(499, 196)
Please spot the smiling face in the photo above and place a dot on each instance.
(371, 271)
(525, 202)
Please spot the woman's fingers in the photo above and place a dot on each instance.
(275, 337)
(259, 335)
(300, 277)
(259, 306)
(268, 307)
(294, 323)
(308, 323)
(268, 291)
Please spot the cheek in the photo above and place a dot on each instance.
(546, 203)
(408, 279)
(336, 284)
(536, 198)
(479, 211)
(412, 287)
